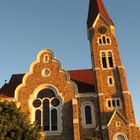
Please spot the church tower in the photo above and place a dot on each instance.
(116, 120)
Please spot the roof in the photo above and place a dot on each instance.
(84, 80)
(8, 89)
(96, 7)
(3, 96)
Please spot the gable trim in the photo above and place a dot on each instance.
(120, 115)
(103, 18)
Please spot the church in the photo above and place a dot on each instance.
(85, 104)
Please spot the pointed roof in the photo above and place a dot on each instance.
(97, 7)
(116, 112)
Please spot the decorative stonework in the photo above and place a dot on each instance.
(116, 87)
(105, 113)
(46, 72)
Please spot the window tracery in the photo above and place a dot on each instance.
(47, 110)
(104, 40)
(114, 103)
(107, 59)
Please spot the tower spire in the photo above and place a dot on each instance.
(96, 7)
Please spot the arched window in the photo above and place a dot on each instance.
(110, 81)
(47, 110)
(100, 41)
(88, 115)
(107, 59)
(104, 40)
(108, 40)
(120, 136)
(110, 59)
(104, 62)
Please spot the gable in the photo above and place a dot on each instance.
(46, 70)
(118, 125)
(84, 79)
(117, 116)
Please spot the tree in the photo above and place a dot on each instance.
(14, 124)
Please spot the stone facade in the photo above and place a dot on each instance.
(56, 78)
(90, 104)
(100, 30)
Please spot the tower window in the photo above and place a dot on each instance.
(88, 115)
(107, 59)
(47, 110)
(109, 103)
(108, 40)
(100, 41)
(114, 103)
(110, 59)
(118, 102)
(110, 81)
(104, 40)
(104, 62)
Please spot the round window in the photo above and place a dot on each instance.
(55, 102)
(45, 72)
(36, 103)
(102, 30)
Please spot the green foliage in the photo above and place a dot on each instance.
(14, 124)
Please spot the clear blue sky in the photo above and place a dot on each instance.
(28, 26)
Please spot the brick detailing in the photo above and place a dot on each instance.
(58, 79)
(76, 128)
(118, 90)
